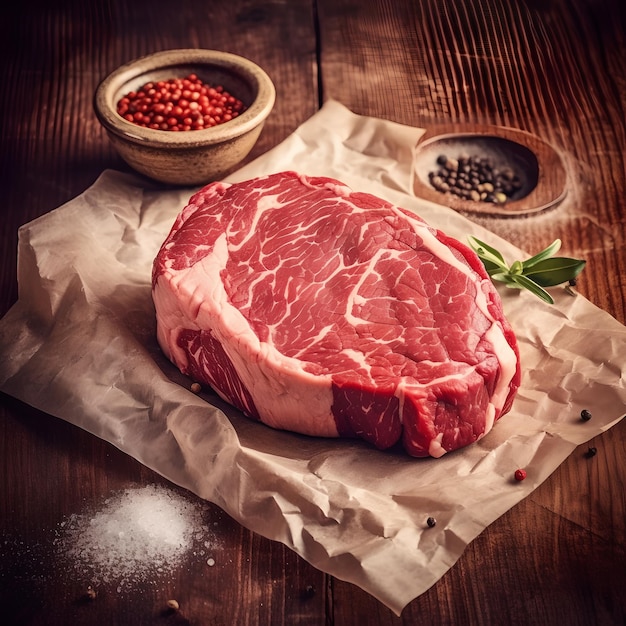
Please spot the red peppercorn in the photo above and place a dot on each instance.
(520, 474)
(179, 104)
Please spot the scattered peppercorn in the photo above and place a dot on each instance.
(475, 178)
(431, 521)
(196, 387)
(179, 104)
(591, 452)
(520, 474)
(585, 415)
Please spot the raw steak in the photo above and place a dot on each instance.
(328, 312)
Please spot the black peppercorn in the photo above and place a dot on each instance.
(431, 521)
(591, 452)
(474, 178)
(585, 415)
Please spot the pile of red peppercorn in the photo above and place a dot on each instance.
(179, 104)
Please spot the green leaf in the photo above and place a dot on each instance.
(533, 287)
(477, 244)
(546, 253)
(503, 277)
(491, 267)
(488, 254)
(555, 271)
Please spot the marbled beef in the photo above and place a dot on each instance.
(321, 310)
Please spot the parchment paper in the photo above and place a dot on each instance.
(79, 344)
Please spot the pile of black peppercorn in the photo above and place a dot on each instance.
(475, 178)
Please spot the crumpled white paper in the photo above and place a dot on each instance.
(80, 345)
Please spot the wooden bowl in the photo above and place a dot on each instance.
(189, 157)
(540, 168)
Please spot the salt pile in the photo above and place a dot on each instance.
(139, 535)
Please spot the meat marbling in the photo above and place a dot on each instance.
(329, 312)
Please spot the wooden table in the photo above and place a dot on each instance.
(554, 68)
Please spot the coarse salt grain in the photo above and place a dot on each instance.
(138, 535)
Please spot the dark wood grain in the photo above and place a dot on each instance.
(553, 68)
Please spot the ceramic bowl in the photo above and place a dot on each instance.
(187, 157)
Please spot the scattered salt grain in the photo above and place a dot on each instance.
(139, 535)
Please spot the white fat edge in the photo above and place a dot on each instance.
(490, 418)
(503, 351)
(435, 449)
(508, 366)
(336, 187)
(284, 393)
(169, 321)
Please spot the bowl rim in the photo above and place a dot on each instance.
(255, 114)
